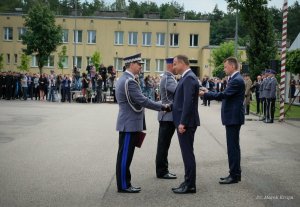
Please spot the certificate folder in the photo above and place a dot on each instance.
(139, 139)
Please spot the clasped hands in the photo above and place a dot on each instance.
(166, 108)
(202, 91)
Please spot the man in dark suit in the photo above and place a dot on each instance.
(232, 114)
(186, 120)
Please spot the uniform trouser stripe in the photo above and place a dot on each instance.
(124, 161)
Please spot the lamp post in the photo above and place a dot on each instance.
(75, 35)
(236, 30)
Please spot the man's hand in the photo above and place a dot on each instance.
(181, 129)
(202, 91)
(166, 108)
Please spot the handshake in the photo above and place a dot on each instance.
(166, 108)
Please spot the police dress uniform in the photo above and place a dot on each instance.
(167, 127)
(271, 98)
(130, 121)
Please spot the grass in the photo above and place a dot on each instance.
(293, 112)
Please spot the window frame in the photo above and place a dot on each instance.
(7, 35)
(159, 67)
(147, 39)
(159, 39)
(119, 39)
(172, 40)
(76, 36)
(90, 35)
(192, 40)
(131, 36)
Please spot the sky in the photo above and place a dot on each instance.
(206, 5)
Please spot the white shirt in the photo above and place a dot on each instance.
(185, 72)
(130, 73)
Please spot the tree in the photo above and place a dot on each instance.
(96, 59)
(62, 55)
(25, 60)
(293, 61)
(42, 35)
(219, 55)
(261, 47)
(1, 61)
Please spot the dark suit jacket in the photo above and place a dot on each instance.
(232, 111)
(185, 105)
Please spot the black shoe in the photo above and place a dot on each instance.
(238, 177)
(180, 186)
(229, 180)
(262, 119)
(129, 190)
(269, 121)
(184, 190)
(138, 188)
(167, 176)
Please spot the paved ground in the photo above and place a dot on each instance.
(64, 155)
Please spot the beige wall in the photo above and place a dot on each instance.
(105, 28)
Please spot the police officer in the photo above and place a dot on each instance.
(271, 97)
(262, 94)
(131, 120)
(167, 128)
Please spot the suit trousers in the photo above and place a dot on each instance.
(264, 106)
(125, 154)
(165, 134)
(233, 149)
(270, 110)
(186, 142)
(258, 101)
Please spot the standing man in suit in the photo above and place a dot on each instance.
(186, 120)
(168, 86)
(131, 120)
(232, 114)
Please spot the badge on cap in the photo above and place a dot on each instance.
(133, 58)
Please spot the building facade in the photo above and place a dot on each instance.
(114, 38)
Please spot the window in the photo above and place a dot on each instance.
(65, 37)
(146, 38)
(8, 59)
(132, 38)
(77, 61)
(16, 58)
(118, 63)
(8, 33)
(193, 40)
(78, 36)
(160, 39)
(88, 60)
(50, 61)
(174, 40)
(146, 65)
(65, 62)
(119, 38)
(160, 65)
(21, 32)
(91, 36)
(34, 62)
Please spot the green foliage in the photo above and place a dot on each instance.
(42, 35)
(96, 59)
(1, 61)
(25, 60)
(61, 58)
(225, 50)
(293, 61)
(219, 72)
(261, 47)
